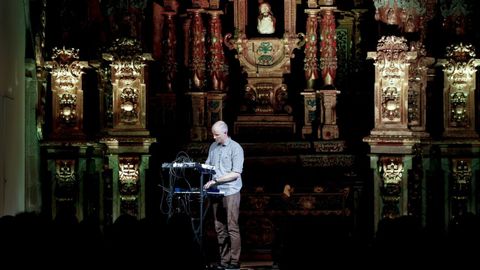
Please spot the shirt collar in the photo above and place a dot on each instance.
(227, 142)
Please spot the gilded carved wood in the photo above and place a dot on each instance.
(459, 91)
(392, 61)
(391, 173)
(417, 89)
(66, 186)
(67, 93)
(129, 184)
(128, 86)
(265, 59)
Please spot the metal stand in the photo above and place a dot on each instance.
(201, 218)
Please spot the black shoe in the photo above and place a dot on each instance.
(233, 267)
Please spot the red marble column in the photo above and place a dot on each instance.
(311, 49)
(197, 62)
(216, 64)
(328, 46)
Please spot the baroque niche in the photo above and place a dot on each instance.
(264, 54)
(264, 40)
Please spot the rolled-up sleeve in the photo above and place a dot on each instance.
(237, 159)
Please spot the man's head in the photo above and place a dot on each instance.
(220, 132)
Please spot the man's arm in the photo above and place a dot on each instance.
(225, 178)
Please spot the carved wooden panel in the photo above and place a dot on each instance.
(391, 85)
(128, 86)
(67, 93)
(66, 183)
(417, 88)
(459, 91)
(391, 174)
(129, 184)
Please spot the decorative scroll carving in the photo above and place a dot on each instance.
(391, 85)
(67, 91)
(66, 184)
(459, 86)
(128, 59)
(391, 173)
(66, 70)
(417, 83)
(266, 98)
(264, 57)
(392, 51)
(129, 172)
(128, 85)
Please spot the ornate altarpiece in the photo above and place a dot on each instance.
(265, 59)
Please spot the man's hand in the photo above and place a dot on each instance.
(209, 184)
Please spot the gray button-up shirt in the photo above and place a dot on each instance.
(227, 157)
